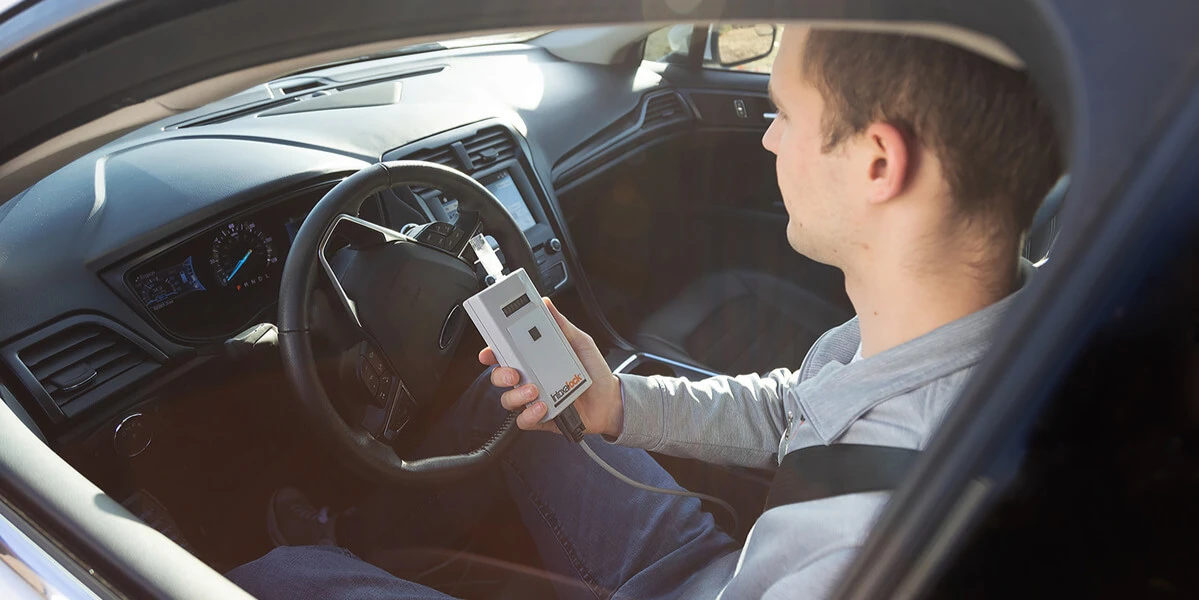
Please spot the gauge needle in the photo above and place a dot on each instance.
(239, 264)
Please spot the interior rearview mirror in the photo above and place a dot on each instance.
(736, 45)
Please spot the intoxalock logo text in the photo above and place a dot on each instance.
(565, 390)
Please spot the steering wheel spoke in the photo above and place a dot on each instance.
(357, 234)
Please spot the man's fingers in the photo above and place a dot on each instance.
(487, 357)
(504, 377)
(578, 339)
(572, 333)
(530, 418)
(567, 327)
(515, 399)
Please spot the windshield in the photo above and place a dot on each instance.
(512, 37)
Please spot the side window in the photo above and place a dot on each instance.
(734, 47)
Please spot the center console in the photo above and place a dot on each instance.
(491, 153)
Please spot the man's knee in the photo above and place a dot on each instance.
(289, 570)
(322, 572)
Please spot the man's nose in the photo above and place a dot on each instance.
(770, 137)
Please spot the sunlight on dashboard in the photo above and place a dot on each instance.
(517, 81)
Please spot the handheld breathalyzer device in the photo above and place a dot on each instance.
(524, 335)
(518, 327)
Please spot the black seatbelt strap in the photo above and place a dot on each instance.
(826, 471)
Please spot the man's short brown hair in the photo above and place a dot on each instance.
(987, 124)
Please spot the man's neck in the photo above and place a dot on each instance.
(896, 305)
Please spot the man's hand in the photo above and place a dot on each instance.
(600, 406)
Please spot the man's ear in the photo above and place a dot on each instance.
(888, 151)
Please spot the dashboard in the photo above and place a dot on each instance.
(161, 245)
(210, 284)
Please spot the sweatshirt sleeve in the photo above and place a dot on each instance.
(724, 420)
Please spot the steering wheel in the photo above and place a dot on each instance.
(403, 294)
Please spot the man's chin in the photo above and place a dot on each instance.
(807, 248)
(797, 241)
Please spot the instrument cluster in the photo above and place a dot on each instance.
(218, 281)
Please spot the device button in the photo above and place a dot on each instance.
(555, 245)
(454, 238)
(441, 228)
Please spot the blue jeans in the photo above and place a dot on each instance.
(600, 537)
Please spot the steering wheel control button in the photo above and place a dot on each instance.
(369, 378)
(376, 361)
(383, 392)
(401, 412)
(440, 235)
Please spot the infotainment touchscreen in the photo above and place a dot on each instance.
(508, 194)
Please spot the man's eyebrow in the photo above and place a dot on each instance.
(774, 98)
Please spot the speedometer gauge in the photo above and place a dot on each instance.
(242, 255)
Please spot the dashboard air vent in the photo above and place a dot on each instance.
(489, 146)
(663, 109)
(78, 359)
(443, 155)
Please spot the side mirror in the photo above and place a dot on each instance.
(736, 45)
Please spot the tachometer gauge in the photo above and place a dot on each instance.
(242, 255)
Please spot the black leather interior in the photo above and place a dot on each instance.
(741, 321)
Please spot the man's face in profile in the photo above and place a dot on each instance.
(817, 187)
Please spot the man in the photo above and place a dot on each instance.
(911, 165)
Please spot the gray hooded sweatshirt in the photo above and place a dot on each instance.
(894, 398)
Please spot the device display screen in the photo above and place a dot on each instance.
(516, 305)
